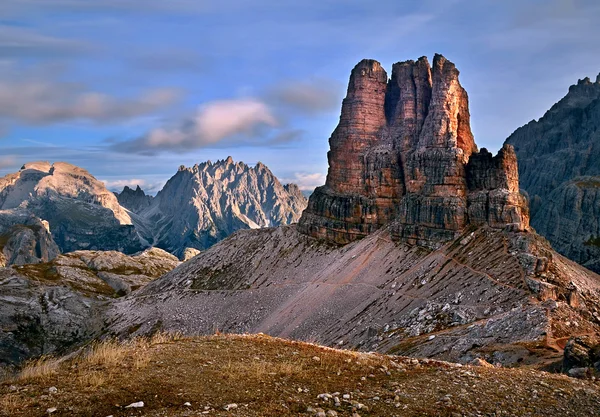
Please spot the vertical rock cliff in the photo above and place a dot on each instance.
(403, 153)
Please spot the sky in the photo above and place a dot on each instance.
(131, 90)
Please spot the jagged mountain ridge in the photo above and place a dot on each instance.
(203, 204)
(417, 244)
(134, 200)
(403, 151)
(559, 167)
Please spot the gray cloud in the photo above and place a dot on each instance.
(7, 162)
(43, 102)
(306, 181)
(310, 97)
(232, 120)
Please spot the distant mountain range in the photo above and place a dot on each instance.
(204, 204)
(46, 209)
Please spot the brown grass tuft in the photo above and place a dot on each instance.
(38, 369)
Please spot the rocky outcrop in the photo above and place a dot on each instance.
(402, 153)
(51, 307)
(25, 239)
(75, 208)
(569, 217)
(134, 200)
(202, 205)
(559, 167)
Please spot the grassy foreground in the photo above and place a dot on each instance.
(257, 375)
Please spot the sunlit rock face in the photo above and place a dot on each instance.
(48, 208)
(205, 203)
(401, 154)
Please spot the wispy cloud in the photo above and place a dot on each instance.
(45, 102)
(212, 123)
(8, 162)
(169, 60)
(20, 42)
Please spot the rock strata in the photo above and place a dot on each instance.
(402, 153)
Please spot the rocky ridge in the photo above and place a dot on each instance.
(46, 209)
(559, 167)
(403, 152)
(134, 200)
(203, 204)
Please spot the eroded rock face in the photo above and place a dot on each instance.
(559, 167)
(401, 153)
(50, 307)
(78, 211)
(204, 204)
(25, 239)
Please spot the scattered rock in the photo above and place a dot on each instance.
(138, 404)
(481, 362)
(230, 407)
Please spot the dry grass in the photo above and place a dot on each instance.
(38, 369)
(274, 377)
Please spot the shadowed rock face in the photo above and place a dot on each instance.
(402, 152)
(559, 167)
(134, 200)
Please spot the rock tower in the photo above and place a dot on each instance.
(403, 154)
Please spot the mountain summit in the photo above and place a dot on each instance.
(204, 204)
(403, 152)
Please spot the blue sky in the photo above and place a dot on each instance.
(131, 89)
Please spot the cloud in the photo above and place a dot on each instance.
(7, 162)
(44, 102)
(306, 181)
(310, 97)
(19, 42)
(233, 120)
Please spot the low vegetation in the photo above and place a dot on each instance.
(262, 376)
